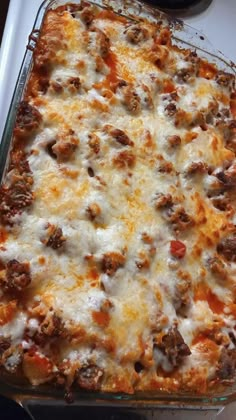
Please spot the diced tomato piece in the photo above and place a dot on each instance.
(177, 249)
(37, 368)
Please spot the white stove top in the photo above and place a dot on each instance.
(217, 23)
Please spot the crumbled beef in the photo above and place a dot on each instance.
(64, 149)
(93, 211)
(174, 347)
(192, 57)
(90, 377)
(111, 261)
(182, 298)
(226, 364)
(184, 75)
(55, 86)
(227, 248)
(225, 79)
(228, 176)
(177, 216)
(217, 267)
(118, 135)
(54, 237)
(15, 198)
(124, 159)
(197, 168)
(136, 33)
(5, 343)
(17, 276)
(87, 15)
(73, 84)
(170, 109)
(51, 325)
(28, 119)
(174, 140)
(162, 200)
(131, 99)
(94, 143)
(221, 202)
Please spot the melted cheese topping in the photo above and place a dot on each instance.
(104, 200)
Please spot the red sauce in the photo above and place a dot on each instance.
(101, 318)
(203, 292)
(207, 70)
(168, 86)
(108, 14)
(3, 236)
(111, 62)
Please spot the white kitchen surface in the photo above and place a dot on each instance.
(218, 23)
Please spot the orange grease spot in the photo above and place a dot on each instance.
(203, 292)
(207, 70)
(108, 14)
(101, 318)
(3, 235)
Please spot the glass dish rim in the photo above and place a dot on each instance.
(147, 399)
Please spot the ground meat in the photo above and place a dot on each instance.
(90, 377)
(185, 75)
(197, 168)
(131, 99)
(111, 261)
(87, 15)
(55, 87)
(170, 109)
(225, 79)
(15, 198)
(221, 202)
(192, 57)
(93, 211)
(4, 345)
(124, 159)
(217, 267)
(227, 248)
(174, 140)
(162, 200)
(174, 347)
(54, 237)
(182, 295)
(227, 364)
(228, 176)
(28, 119)
(73, 84)
(166, 167)
(64, 150)
(118, 135)
(145, 96)
(17, 276)
(136, 33)
(94, 143)
(51, 325)
(177, 216)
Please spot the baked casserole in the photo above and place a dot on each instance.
(118, 237)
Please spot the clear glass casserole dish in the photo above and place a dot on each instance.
(184, 37)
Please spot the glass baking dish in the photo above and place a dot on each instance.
(30, 397)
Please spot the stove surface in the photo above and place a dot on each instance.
(181, 6)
